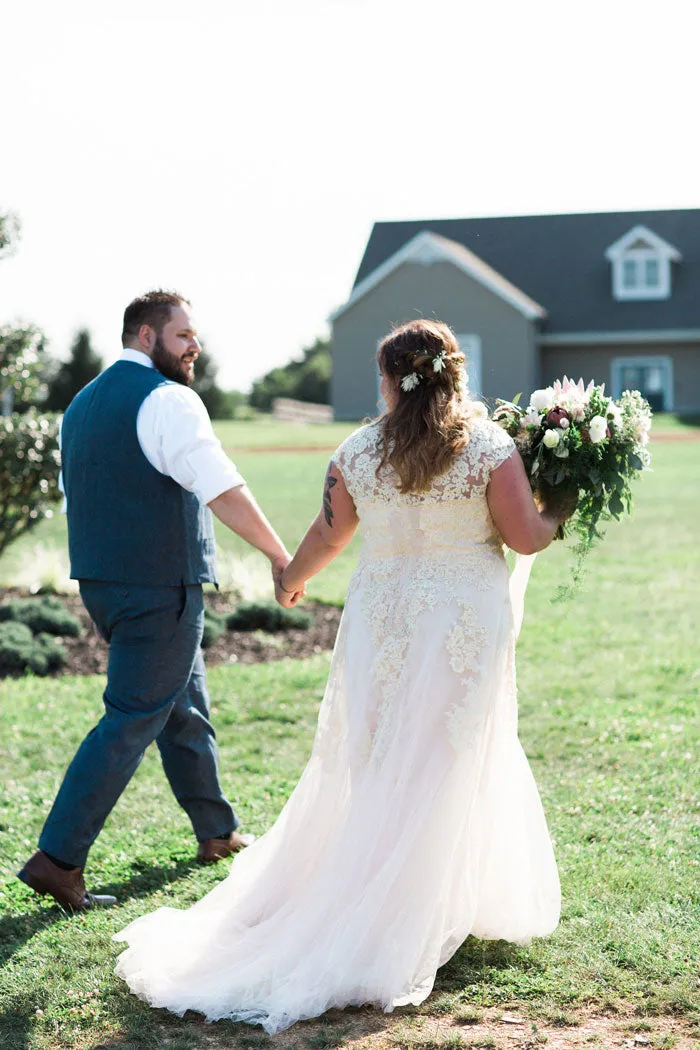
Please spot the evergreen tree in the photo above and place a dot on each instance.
(83, 366)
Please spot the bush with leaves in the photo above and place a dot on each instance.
(48, 615)
(22, 363)
(21, 651)
(267, 616)
(214, 626)
(29, 457)
(29, 468)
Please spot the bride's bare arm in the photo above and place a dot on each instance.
(524, 528)
(329, 532)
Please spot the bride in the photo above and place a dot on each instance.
(417, 821)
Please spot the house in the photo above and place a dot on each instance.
(612, 297)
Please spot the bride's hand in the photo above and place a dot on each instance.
(286, 598)
(560, 503)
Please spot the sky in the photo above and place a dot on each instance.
(240, 152)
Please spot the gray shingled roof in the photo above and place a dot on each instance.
(559, 261)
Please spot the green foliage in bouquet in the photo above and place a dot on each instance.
(41, 615)
(577, 439)
(267, 616)
(29, 468)
(21, 651)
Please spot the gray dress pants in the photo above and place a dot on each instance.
(156, 690)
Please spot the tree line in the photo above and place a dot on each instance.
(306, 379)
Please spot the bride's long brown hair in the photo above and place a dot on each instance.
(429, 425)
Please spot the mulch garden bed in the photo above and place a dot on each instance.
(87, 654)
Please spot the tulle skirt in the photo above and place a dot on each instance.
(415, 823)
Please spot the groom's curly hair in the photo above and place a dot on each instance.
(429, 425)
(153, 308)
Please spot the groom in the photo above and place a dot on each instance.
(142, 471)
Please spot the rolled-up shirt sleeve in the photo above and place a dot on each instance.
(177, 438)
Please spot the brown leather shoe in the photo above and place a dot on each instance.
(66, 887)
(211, 850)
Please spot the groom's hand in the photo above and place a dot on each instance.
(285, 598)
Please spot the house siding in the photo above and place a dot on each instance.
(509, 357)
(595, 362)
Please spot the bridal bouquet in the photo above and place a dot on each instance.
(575, 439)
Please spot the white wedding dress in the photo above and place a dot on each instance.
(417, 820)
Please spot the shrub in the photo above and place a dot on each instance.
(46, 614)
(266, 616)
(214, 625)
(53, 650)
(21, 651)
(29, 466)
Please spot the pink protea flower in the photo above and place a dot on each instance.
(573, 397)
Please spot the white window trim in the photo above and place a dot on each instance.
(471, 347)
(655, 248)
(663, 362)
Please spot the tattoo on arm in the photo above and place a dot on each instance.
(327, 509)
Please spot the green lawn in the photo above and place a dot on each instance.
(287, 485)
(609, 689)
(264, 431)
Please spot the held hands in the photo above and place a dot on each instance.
(283, 596)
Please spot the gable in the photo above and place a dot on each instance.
(425, 249)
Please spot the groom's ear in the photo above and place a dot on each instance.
(147, 337)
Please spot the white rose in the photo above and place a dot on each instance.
(479, 410)
(542, 400)
(614, 413)
(597, 429)
(551, 438)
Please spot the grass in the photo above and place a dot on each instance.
(264, 431)
(608, 695)
(287, 485)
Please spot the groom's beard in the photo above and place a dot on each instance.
(171, 366)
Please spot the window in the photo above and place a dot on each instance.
(652, 376)
(641, 265)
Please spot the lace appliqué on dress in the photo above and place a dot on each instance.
(464, 645)
(435, 543)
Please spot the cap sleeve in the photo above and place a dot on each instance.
(501, 446)
(356, 459)
(489, 446)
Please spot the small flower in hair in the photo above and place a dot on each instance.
(439, 362)
(410, 381)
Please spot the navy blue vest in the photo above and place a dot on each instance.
(127, 522)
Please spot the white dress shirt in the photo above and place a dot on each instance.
(177, 438)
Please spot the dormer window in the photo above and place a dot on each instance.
(641, 265)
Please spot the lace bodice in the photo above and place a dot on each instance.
(452, 516)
